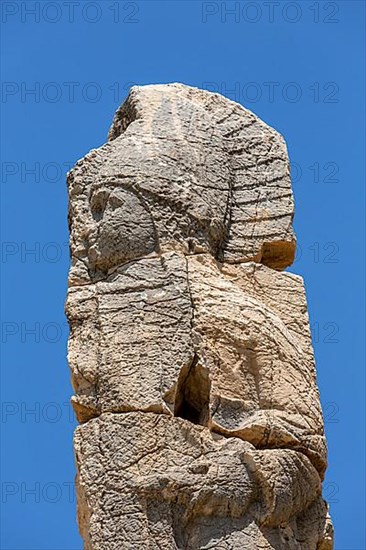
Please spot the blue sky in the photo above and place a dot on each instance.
(65, 69)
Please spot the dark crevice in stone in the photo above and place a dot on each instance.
(193, 393)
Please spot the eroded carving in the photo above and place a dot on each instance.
(190, 351)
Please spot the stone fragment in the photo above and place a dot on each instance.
(190, 352)
(151, 481)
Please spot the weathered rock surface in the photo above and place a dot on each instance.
(260, 362)
(190, 351)
(151, 481)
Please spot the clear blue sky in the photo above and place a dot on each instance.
(298, 65)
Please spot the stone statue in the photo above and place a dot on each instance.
(190, 348)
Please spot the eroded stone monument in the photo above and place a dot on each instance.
(190, 348)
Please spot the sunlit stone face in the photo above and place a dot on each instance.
(124, 230)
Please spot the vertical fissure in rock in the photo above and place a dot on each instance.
(193, 393)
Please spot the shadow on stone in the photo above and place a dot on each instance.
(193, 393)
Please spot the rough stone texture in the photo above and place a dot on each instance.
(154, 481)
(190, 351)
